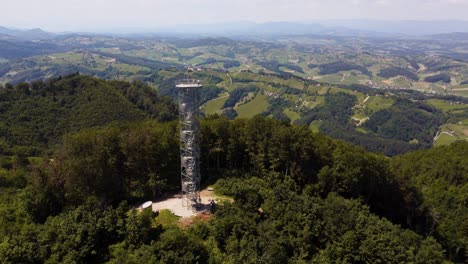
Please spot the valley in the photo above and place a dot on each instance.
(320, 149)
(284, 78)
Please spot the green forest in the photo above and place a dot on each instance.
(72, 173)
(35, 116)
(392, 129)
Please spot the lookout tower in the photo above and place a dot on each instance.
(188, 90)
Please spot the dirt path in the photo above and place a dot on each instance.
(230, 79)
(422, 67)
(440, 134)
(365, 100)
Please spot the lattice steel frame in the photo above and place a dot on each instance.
(188, 91)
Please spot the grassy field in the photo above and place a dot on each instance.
(461, 92)
(355, 78)
(214, 105)
(444, 140)
(362, 130)
(294, 83)
(358, 116)
(315, 126)
(445, 105)
(401, 82)
(437, 88)
(376, 103)
(291, 114)
(323, 90)
(456, 87)
(129, 68)
(219, 196)
(258, 105)
(331, 78)
(452, 132)
(77, 58)
(166, 218)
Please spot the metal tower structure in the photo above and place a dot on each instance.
(188, 90)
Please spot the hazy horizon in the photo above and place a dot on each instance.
(102, 15)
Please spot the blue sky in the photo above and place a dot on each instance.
(63, 15)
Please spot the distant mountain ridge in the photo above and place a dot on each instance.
(358, 27)
(28, 34)
(370, 28)
(402, 27)
(455, 36)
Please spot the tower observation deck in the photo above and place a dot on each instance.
(188, 91)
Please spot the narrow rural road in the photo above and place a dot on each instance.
(230, 79)
(440, 134)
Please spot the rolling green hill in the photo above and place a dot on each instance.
(291, 82)
(34, 117)
(430, 67)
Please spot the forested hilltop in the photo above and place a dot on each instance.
(34, 116)
(298, 196)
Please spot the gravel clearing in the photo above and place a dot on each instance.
(175, 205)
